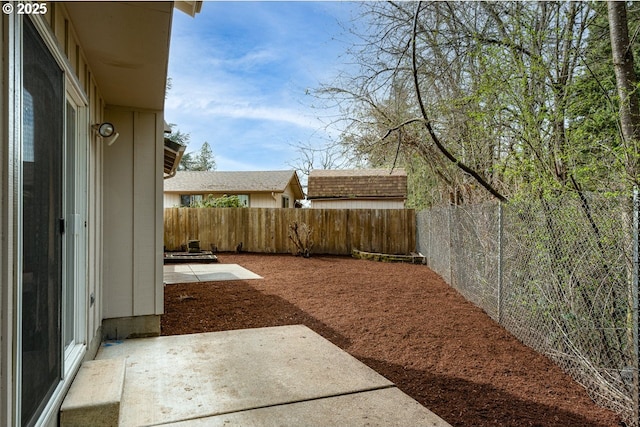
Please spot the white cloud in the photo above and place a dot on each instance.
(209, 101)
(239, 78)
(262, 113)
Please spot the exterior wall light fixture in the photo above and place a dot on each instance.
(106, 131)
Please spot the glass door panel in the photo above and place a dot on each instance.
(42, 226)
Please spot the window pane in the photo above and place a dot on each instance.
(41, 239)
(244, 199)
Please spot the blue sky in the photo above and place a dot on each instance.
(241, 76)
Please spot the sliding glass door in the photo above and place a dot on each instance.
(43, 226)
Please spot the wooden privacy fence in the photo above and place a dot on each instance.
(334, 231)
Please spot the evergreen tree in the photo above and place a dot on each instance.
(204, 160)
(186, 163)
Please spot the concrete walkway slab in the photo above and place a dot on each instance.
(377, 408)
(190, 273)
(190, 377)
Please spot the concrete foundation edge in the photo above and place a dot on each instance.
(131, 327)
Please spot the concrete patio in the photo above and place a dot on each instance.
(279, 376)
(189, 273)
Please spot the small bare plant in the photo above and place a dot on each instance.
(300, 235)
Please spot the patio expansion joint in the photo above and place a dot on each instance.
(273, 405)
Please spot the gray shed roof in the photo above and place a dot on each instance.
(233, 182)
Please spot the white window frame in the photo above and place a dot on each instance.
(76, 221)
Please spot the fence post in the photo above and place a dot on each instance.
(500, 249)
(430, 244)
(450, 220)
(634, 308)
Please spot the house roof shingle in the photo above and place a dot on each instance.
(232, 182)
(357, 184)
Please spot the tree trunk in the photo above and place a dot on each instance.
(626, 81)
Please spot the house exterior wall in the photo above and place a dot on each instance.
(132, 273)
(171, 200)
(264, 200)
(59, 36)
(289, 193)
(118, 193)
(264, 189)
(356, 204)
(256, 200)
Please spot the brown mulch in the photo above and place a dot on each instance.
(403, 321)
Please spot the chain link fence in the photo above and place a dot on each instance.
(560, 274)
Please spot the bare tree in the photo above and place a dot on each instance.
(328, 156)
(477, 91)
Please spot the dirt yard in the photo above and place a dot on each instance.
(401, 320)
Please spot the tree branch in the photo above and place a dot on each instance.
(401, 125)
(427, 122)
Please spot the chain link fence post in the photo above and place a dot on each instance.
(450, 222)
(430, 240)
(500, 247)
(634, 307)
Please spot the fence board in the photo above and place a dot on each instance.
(334, 231)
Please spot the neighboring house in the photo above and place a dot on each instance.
(357, 189)
(80, 212)
(256, 189)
